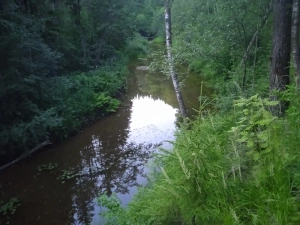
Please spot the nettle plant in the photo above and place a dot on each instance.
(254, 125)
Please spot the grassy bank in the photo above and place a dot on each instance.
(236, 168)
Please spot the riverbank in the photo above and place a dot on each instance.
(75, 101)
(240, 167)
(107, 156)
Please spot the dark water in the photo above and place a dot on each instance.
(109, 156)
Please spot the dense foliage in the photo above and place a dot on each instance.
(213, 38)
(62, 62)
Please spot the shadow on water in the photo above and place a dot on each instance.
(109, 156)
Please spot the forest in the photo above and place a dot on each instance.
(63, 64)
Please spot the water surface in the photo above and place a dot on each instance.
(109, 156)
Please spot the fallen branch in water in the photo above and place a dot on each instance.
(26, 154)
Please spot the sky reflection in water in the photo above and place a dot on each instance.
(152, 123)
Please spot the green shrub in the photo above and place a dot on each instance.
(84, 96)
(136, 47)
(106, 103)
(7, 209)
(158, 40)
(69, 102)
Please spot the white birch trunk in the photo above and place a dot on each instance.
(170, 59)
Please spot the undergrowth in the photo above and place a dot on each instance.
(235, 168)
(137, 47)
(70, 102)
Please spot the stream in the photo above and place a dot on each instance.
(108, 156)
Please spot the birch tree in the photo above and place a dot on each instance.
(173, 73)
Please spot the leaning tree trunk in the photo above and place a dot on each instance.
(281, 49)
(295, 40)
(170, 59)
(26, 154)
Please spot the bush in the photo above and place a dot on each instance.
(136, 47)
(85, 96)
(158, 40)
(68, 103)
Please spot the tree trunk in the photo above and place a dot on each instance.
(281, 49)
(170, 59)
(295, 41)
(26, 154)
(25, 5)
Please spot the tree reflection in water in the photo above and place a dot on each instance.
(108, 167)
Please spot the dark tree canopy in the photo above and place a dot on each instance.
(47, 52)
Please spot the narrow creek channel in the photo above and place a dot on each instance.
(109, 156)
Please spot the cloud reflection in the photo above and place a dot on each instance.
(114, 160)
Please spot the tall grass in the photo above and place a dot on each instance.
(238, 168)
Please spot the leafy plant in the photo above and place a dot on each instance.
(106, 102)
(253, 124)
(67, 175)
(136, 47)
(9, 208)
(113, 211)
(47, 167)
